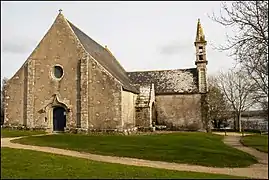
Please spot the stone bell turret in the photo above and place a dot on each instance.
(201, 61)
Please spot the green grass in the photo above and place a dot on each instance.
(191, 148)
(259, 142)
(16, 133)
(18, 164)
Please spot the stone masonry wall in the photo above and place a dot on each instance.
(14, 101)
(84, 93)
(182, 111)
(151, 102)
(29, 92)
(143, 109)
(58, 47)
(128, 109)
(142, 116)
(202, 76)
(104, 99)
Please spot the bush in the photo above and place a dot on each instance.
(160, 127)
(232, 130)
(252, 130)
(144, 129)
(223, 130)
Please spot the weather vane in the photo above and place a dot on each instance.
(60, 10)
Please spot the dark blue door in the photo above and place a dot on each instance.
(59, 119)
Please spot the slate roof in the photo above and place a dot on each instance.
(168, 81)
(106, 59)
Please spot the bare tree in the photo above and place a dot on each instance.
(249, 43)
(218, 107)
(239, 90)
(264, 107)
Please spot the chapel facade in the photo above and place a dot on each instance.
(71, 81)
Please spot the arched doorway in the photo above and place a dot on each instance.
(59, 118)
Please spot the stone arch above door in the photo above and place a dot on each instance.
(55, 101)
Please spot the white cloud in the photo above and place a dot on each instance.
(142, 35)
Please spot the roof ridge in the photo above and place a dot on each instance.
(161, 70)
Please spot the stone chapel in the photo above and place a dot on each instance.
(70, 81)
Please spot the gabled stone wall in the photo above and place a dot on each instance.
(104, 99)
(128, 109)
(34, 84)
(179, 112)
(14, 101)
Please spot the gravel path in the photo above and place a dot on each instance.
(257, 171)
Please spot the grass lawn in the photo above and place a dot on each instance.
(259, 142)
(17, 133)
(191, 148)
(19, 164)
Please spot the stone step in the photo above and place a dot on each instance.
(146, 95)
(141, 105)
(143, 98)
(143, 95)
(139, 102)
(142, 101)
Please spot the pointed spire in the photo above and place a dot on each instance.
(200, 37)
(60, 11)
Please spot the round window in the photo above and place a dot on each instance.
(58, 72)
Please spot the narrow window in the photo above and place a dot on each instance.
(200, 49)
(200, 57)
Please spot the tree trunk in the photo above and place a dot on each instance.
(215, 124)
(218, 122)
(208, 130)
(235, 124)
(239, 122)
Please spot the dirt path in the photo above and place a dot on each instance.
(258, 171)
(234, 141)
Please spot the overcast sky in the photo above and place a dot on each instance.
(141, 35)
